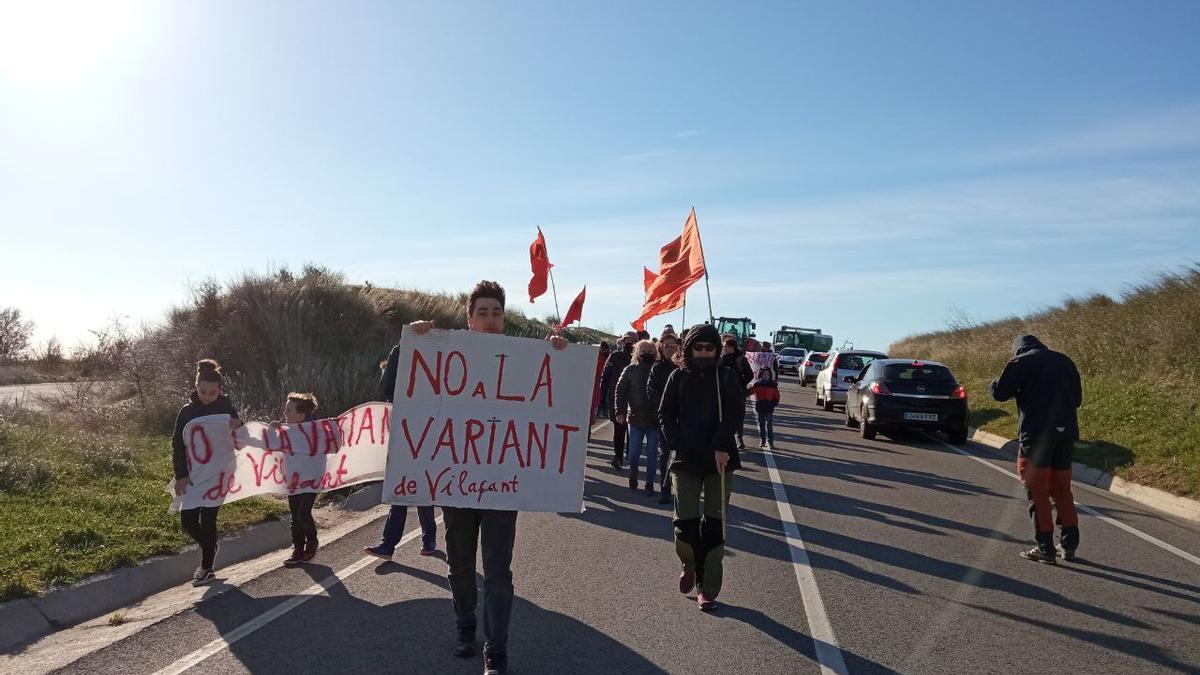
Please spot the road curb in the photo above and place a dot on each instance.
(1180, 507)
(29, 618)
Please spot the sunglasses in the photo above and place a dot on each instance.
(704, 347)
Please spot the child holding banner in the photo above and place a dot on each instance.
(201, 523)
(766, 398)
(700, 410)
(300, 408)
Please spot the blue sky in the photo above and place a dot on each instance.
(871, 170)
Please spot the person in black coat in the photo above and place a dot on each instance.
(1048, 391)
(635, 408)
(735, 359)
(701, 405)
(200, 523)
(668, 352)
(613, 367)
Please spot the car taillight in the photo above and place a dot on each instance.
(959, 393)
(880, 389)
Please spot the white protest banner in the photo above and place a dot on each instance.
(488, 421)
(312, 456)
(760, 360)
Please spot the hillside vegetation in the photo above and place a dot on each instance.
(82, 484)
(1139, 358)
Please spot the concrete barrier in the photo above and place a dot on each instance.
(23, 620)
(1180, 507)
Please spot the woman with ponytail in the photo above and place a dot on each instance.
(208, 398)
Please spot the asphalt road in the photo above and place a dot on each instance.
(31, 394)
(911, 547)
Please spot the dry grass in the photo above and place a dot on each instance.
(1140, 361)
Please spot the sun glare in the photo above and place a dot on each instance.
(62, 43)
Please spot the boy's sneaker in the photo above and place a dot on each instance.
(296, 558)
(310, 552)
(687, 581)
(465, 646)
(1036, 554)
(202, 576)
(1068, 554)
(428, 550)
(705, 603)
(378, 552)
(495, 664)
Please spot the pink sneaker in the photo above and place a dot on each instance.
(706, 604)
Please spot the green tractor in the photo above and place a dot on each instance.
(741, 328)
(811, 339)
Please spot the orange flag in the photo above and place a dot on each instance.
(681, 264)
(574, 312)
(539, 262)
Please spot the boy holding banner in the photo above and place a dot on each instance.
(470, 528)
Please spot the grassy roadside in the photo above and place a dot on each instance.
(1140, 418)
(75, 503)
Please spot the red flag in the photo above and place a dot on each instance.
(539, 262)
(648, 278)
(574, 312)
(681, 264)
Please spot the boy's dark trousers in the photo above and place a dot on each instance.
(304, 526)
(201, 525)
(495, 532)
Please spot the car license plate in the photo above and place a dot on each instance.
(920, 417)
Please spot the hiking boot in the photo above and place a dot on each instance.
(616, 464)
(1068, 554)
(296, 558)
(705, 603)
(1036, 554)
(378, 552)
(687, 581)
(202, 576)
(495, 664)
(465, 646)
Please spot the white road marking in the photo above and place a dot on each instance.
(225, 641)
(829, 655)
(1092, 512)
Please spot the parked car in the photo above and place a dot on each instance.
(832, 383)
(813, 362)
(790, 359)
(902, 393)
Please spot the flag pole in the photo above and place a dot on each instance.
(683, 321)
(554, 290)
(707, 290)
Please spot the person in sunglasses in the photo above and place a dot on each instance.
(701, 406)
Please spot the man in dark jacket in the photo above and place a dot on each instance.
(635, 409)
(700, 406)
(617, 361)
(1048, 391)
(393, 527)
(668, 348)
(734, 359)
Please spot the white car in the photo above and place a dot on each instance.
(831, 382)
(813, 361)
(790, 359)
